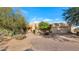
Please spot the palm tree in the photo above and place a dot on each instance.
(71, 15)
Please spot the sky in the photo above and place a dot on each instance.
(38, 14)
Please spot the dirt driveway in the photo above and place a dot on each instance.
(40, 43)
(57, 43)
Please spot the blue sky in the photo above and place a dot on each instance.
(37, 14)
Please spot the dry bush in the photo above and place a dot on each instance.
(19, 37)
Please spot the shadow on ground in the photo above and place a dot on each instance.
(29, 50)
(4, 49)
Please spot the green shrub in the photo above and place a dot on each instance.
(12, 23)
(43, 26)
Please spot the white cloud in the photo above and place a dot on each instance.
(45, 19)
(56, 19)
(37, 20)
(59, 21)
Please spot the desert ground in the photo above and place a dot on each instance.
(34, 42)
